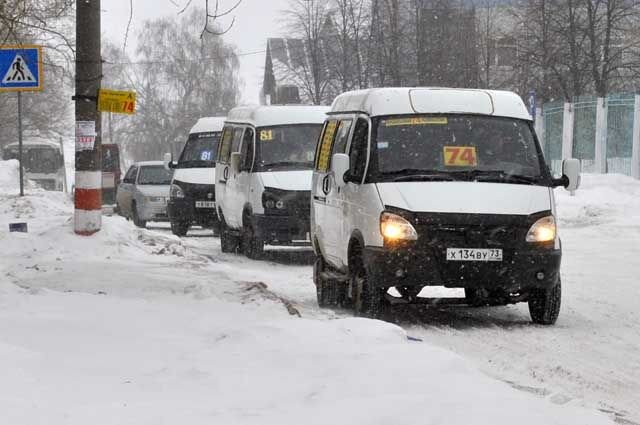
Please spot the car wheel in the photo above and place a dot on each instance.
(368, 299)
(179, 228)
(326, 289)
(136, 218)
(228, 241)
(252, 245)
(544, 305)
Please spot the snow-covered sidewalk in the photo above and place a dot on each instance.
(134, 327)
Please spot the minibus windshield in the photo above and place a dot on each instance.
(200, 150)
(154, 175)
(455, 147)
(287, 146)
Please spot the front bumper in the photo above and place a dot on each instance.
(414, 266)
(280, 228)
(153, 211)
(184, 210)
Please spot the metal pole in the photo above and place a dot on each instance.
(20, 143)
(88, 192)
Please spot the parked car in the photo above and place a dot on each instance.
(442, 187)
(263, 177)
(192, 199)
(143, 193)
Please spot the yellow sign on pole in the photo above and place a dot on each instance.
(119, 102)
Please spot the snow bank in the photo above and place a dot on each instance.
(608, 198)
(107, 330)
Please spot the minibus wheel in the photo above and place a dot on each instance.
(252, 245)
(228, 242)
(326, 289)
(179, 228)
(544, 305)
(368, 299)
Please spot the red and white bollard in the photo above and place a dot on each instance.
(88, 202)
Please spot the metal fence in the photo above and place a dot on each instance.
(598, 125)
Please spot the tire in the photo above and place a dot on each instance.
(326, 289)
(136, 219)
(228, 241)
(252, 246)
(368, 299)
(179, 228)
(544, 305)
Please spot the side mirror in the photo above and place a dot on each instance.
(340, 167)
(168, 161)
(570, 179)
(234, 161)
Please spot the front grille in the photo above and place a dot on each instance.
(298, 204)
(200, 192)
(445, 230)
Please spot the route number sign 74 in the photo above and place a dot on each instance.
(460, 156)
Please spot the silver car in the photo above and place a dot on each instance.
(143, 193)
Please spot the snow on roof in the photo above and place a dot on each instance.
(149, 163)
(432, 100)
(208, 124)
(34, 142)
(263, 116)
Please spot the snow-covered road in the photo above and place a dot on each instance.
(591, 355)
(137, 326)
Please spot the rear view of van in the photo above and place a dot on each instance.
(192, 197)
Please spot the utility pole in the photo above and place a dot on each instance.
(88, 189)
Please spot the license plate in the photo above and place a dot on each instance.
(205, 204)
(478, 254)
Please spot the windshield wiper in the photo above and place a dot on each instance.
(418, 174)
(499, 176)
(287, 164)
(194, 163)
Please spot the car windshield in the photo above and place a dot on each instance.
(154, 175)
(290, 146)
(200, 150)
(455, 147)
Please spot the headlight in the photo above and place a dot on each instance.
(543, 230)
(271, 200)
(176, 191)
(394, 228)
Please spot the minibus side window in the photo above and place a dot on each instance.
(323, 157)
(342, 136)
(247, 150)
(358, 151)
(225, 145)
(237, 139)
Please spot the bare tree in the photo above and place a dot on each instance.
(306, 21)
(179, 78)
(49, 24)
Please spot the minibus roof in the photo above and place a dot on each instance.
(34, 143)
(431, 100)
(208, 125)
(266, 116)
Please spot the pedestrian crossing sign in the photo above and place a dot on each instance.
(20, 68)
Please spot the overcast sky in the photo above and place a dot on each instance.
(256, 20)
